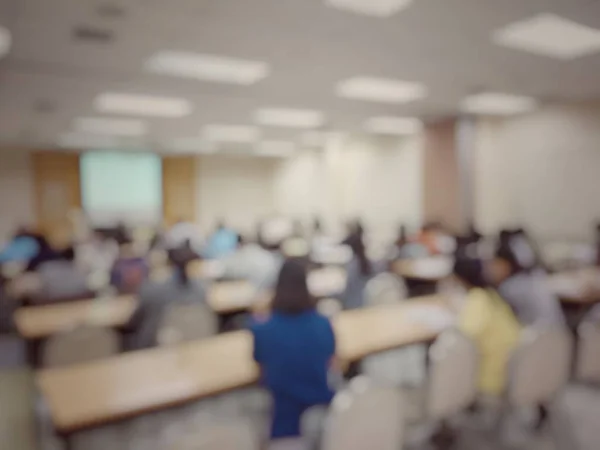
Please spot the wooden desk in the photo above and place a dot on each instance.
(149, 380)
(37, 322)
(577, 287)
(423, 269)
(226, 297)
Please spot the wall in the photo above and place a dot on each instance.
(541, 170)
(378, 180)
(16, 191)
(375, 179)
(236, 189)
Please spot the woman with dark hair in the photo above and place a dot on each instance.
(359, 271)
(155, 296)
(490, 322)
(295, 347)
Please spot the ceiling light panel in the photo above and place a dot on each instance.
(190, 145)
(375, 8)
(276, 148)
(231, 133)
(393, 125)
(381, 90)
(82, 141)
(142, 105)
(101, 125)
(549, 35)
(213, 68)
(495, 103)
(289, 117)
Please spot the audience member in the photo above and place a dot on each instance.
(295, 348)
(155, 297)
(221, 243)
(129, 270)
(61, 279)
(526, 290)
(489, 321)
(254, 263)
(359, 270)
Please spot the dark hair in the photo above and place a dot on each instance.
(505, 252)
(291, 292)
(470, 271)
(355, 242)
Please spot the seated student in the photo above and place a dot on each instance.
(295, 348)
(252, 262)
(222, 242)
(183, 234)
(487, 319)
(525, 290)
(128, 271)
(155, 296)
(62, 279)
(359, 270)
(97, 254)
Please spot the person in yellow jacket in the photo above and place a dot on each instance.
(490, 322)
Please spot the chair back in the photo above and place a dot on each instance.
(80, 345)
(385, 289)
(371, 418)
(540, 366)
(453, 375)
(183, 323)
(588, 352)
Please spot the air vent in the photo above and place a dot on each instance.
(110, 11)
(93, 35)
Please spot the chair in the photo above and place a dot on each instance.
(369, 418)
(539, 367)
(183, 323)
(588, 351)
(452, 375)
(329, 307)
(385, 289)
(80, 345)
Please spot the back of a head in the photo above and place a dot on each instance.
(291, 292)
(470, 271)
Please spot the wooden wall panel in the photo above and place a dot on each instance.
(441, 176)
(57, 192)
(179, 189)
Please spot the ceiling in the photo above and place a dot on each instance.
(49, 79)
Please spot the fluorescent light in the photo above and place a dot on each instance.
(5, 41)
(495, 103)
(276, 148)
(101, 125)
(314, 138)
(393, 125)
(220, 69)
(231, 133)
(142, 105)
(382, 90)
(377, 8)
(550, 35)
(191, 145)
(288, 117)
(83, 141)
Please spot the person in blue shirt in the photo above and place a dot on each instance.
(222, 242)
(295, 348)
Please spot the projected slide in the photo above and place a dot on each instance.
(121, 186)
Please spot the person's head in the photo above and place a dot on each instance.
(469, 271)
(291, 292)
(503, 265)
